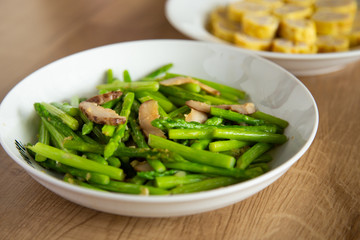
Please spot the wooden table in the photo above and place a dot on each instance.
(318, 198)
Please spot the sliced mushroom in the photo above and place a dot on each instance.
(148, 111)
(246, 108)
(200, 106)
(183, 80)
(196, 116)
(95, 113)
(100, 115)
(106, 97)
(143, 166)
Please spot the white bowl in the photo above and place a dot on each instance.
(273, 90)
(190, 17)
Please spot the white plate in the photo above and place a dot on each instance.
(190, 16)
(273, 90)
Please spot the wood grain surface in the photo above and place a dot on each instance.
(318, 198)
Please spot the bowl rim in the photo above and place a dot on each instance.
(205, 35)
(167, 198)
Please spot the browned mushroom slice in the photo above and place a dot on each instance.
(148, 111)
(246, 108)
(183, 80)
(200, 106)
(106, 97)
(196, 116)
(100, 115)
(143, 166)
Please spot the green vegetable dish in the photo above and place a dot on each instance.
(164, 134)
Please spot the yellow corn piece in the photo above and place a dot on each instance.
(340, 6)
(326, 44)
(223, 29)
(298, 30)
(237, 10)
(305, 3)
(252, 43)
(218, 14)
(287, 46)
(332, 23)
(272, 4)
(293, 11)
(354, 35)
(263, 27)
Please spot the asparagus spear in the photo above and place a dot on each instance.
(76, 161)
(204, 185)
(83, 146)
(72, 111)
(114, 161)
(270, 118)
(151, 175)
(167, 182)
(96, 157)
(132, 188)
(126, 76)
(251, 136)
(159, 71)
(235, 116)
(251, 154)
(181, 123)
(88, 125)
(63, 116)
(91, 177)
(181, 110)
(136, 132)
(113, 143)
(44, 137)
(55, 121)
(200, 156)
(109, 76)
(201, 144)
(68, 178)
(167, 105)
(264, 158)
(156, 164)
(186, 95)
(221, 146)
(56, 137)
(131, 86)
(202, 168)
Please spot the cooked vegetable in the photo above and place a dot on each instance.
(150, 137)
(291, 26)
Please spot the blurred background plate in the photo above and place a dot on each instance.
(190, 18)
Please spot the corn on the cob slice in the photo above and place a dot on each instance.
(293, 11)
(218, 14)
(341, 6)
(225, 30)
(252, 43)
(298, 30)
(272, 4)
(332, 23)
(354, 36)
(221, 26)
(287, 46)
(263, 27)
(305, 3)
(237, 10)
(330, 43)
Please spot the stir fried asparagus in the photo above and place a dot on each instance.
(145, 137)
